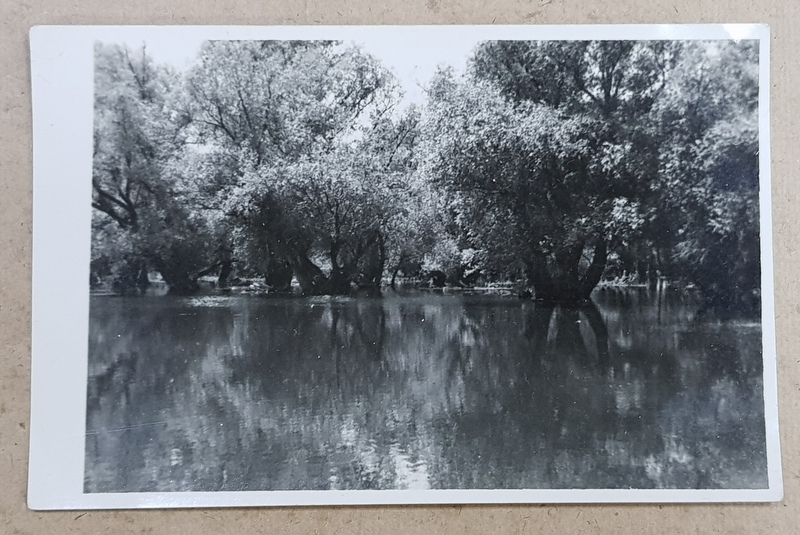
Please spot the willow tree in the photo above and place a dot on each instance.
(143, 220)
(546, 145)
(707, 187)
(306, 184)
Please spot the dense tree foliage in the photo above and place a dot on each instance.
(555, 163)
(138, 182)
(565, 155)
(315, 157)
(707, 220)
(554, 145)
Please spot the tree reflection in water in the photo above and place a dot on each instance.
(420, 391)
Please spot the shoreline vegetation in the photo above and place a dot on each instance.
(563, 166)
(516, 290)
(258, 287)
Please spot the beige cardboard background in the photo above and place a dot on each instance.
(15, 268)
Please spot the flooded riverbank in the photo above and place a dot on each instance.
(421, 390)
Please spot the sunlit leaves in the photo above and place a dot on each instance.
(539, 153)
(139, 172)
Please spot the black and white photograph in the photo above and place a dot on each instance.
(421, 259)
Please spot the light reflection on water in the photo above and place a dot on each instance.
(420, 391)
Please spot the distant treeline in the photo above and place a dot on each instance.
(556, 163)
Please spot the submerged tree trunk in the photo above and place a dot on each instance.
(560, 281)
(593, 275)
(373, 264)
(178, 279)
(180, 283)
(278, 273)
(142, 278)
(338, 282)
(224, 274)
(394, 276)
(131, 278)
(311, 279)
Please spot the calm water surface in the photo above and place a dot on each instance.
(420, 390)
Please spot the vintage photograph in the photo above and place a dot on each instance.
(366, 264)
(538, 267)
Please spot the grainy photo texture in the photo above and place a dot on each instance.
(328, 265)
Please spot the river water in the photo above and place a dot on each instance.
(420, 390)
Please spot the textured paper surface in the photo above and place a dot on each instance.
(15, 281)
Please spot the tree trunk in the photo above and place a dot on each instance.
(178, 280)
(338, 282)
(180, 283)
(311, 279)
(278, 274)
(373, 263)
(401, 261)
(224, 274)
(561, 282)
(142, 279)
(381, 265)
(593, 275)
(131, 278)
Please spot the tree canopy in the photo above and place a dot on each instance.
(556, 163)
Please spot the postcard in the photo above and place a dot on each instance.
(403, 264)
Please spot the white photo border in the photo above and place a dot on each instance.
(62, 66)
